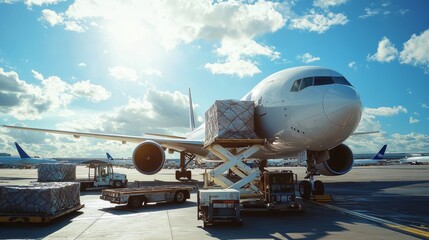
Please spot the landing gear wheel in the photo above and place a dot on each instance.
(319, 188)
(305, 189)
(180, 197)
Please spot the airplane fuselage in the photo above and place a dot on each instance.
(303, 108)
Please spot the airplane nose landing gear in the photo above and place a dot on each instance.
(311, 187)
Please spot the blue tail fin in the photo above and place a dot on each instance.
(380, 154)
(21, 151)
(109, 157)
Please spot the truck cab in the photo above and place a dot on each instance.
(101, 174)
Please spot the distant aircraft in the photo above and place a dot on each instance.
(416, 160)
(376, 160)
(24, 159)
(306, 109)
(119, 162)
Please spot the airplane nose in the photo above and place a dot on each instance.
(342, 106)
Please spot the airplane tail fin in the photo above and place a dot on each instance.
(109, 157)
(191, 113)
(380, 154)
(21, 151)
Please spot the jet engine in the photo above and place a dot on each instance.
(148, 157)
(340, 161)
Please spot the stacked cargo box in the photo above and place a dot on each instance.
(56, 172)
(230, 119)
(39, 198)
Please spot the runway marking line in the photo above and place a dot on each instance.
(387, 223)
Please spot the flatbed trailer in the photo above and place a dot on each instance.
(138, 197)
(36, 218)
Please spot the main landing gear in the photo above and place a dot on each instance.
(185, 159)
(311, 187)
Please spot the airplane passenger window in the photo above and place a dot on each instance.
(323, 81)
(295, 86)
(306, 82)
(341, 80)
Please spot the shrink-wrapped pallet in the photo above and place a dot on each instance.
(230, 119)
(56, 172)
(39, 198)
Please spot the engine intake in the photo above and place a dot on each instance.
(340, 161)
(148, 157)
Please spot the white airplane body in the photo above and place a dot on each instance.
(378, 159)
(119, 162)
(299, 109)
(416, 160)
(24, 159)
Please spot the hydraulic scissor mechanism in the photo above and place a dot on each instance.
(311, 187)
(185, 159)
(233, 162)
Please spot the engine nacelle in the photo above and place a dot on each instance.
(148, 157)
(340, 161)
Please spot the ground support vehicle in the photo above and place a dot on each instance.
(138, 197)
(36, 218)
(277, 193)
(100, 174)
(218, 205)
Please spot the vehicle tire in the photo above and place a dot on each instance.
(135, 202)
(180, 197)
(319, 188)
(305, 189)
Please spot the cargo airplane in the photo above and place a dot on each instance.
(307, 109)
(24, 159)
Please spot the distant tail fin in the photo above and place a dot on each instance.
(191, 113)
(380, 154)
(21, 151)
(109, 157)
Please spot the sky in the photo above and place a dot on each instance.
(124, 67)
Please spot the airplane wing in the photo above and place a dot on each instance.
(178, 144)
(362, 133)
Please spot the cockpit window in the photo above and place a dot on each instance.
(323, 81)
(300, 84)
(306, 82)
(341, 80)
(295, 86)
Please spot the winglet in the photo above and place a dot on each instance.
(191, 113)
(109, 157)
(380, 153)
(21, 151)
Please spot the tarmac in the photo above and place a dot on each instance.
(374, 202)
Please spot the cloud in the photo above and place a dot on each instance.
(239, 67)
(353, 65)
(94, 93)
(307, 58)
(424, 105)
(152, 72)
(316, 22)
(30, 3)
(150, 25)
(385, 111)
(51, 17)
(27, 101)
(82, 64)
(416, 51)
(237, 54)
(369, 13)
(386, 51)
(413, 120)
(123, 73)
(328, 3)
